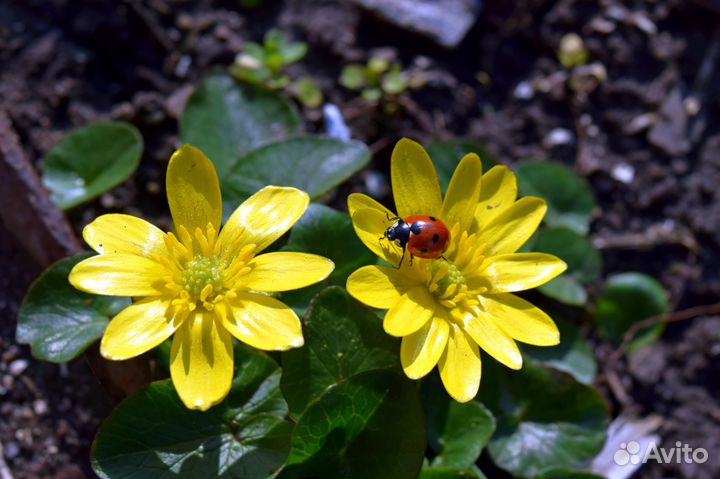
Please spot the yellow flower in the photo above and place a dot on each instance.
(446, 309)
(203, 286)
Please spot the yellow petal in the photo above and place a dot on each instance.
(119, 275)
(358, 201)
(137, 329)
(499, 190)
(263, 322)
(115, 233)
(377, 286)
(460, 366)
(415, 183)
(486, 333)
(265, 216)
(420, 351)
(201, 361)
(520, 271)
(283, 271)
(512, 227)
(410, 312)
(521, 320)
(463, 193)
(193, 190)
(370, 225)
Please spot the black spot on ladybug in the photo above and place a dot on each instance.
(415, 228)
(432, 218)
(423, 251)
(436, 238)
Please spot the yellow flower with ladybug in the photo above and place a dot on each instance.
(453, 268)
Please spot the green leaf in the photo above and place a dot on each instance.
(447, 155)
(314, 165)
(457, 432)
(90, 161)
(394, 82)
(58, 321)
(563, 473)
(451, 473)
(546, 420)
(227, 120)
(152, 434)
(308, 92)
(583, 260)
(370, 425)
(570, 199)
(572, 355)
(627, 299)
(342, 339)
(329, 233)
(352, 77)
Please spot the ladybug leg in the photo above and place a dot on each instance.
(403, 257)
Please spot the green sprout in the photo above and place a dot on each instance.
(264, 64)
(572, 52)
(381, 80)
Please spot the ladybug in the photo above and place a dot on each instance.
(424, 236)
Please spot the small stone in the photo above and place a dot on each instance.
(558, 137)
(18, 366)
(524, 91)
(40, 407)
(623, 172)
(444, 22)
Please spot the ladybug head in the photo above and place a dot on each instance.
(399, 233)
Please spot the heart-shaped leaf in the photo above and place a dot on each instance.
(570, 200)
(227, 120)
(329, 233)
(58, 321)
(457, 432)
(627, 299)
(538, 427)
(152, 434)
(447, 154)
(583, 260)
(572, 355)
(370, 425)
(342, 338)
(90, 161)
(314, 165)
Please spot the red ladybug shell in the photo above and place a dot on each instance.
(429, 237)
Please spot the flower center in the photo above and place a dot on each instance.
(203, 277)
(445, 274)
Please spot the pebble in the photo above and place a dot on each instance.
(40, 407)
(524, 91)
(12, 449)
(623, 172)
(558, 137)
(18, 366)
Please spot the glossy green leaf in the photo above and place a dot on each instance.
(583, 259)
(457, 432)
(433, 472)
(572, 355)
(563, 473)
(447, 154)
(90, 161)
(314, 165)
(58, 321)
(545, 420)
(227, 120)
(152, 434)
(627, 299)
(329, 233)
(342, 338)
(353, 77)
(370, 425)
(570, 200)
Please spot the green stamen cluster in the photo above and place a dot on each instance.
(452, 275)
(200, 272)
